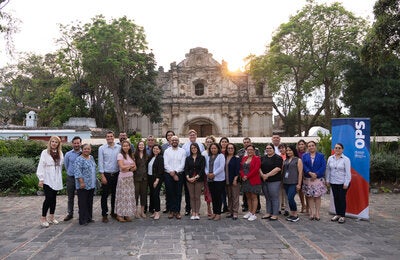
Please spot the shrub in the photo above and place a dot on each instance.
(385, 167)
(28, 184)
(12, 169)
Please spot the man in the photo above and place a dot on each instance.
(276, 141)
(242, 152)
(122, 137)
(69, 160)
(109, 170)
(168, 135)
(149, 144)
(174, 164)
(192, 134)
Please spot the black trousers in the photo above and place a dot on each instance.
(85, 204)
(154, 205)
(216, 189)
(110, 187)
(50, 200)
(339, 198)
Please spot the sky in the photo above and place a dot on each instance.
(230, 29)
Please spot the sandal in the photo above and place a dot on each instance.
(266, 217)
(273, 218)
(341, 220)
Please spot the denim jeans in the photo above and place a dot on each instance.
(271, 193)
(291, 192)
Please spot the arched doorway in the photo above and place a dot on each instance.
(203, 127)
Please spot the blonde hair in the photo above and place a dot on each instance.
(59, 144)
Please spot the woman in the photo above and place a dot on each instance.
(251, 182)
(232, 172)
(223, 143)
(155, 177)
(125, 204)
(282, 194)
(195, 164)
(338, 176)
(50, 178)
(207, 195)
(301, 150)
(292, 177)
(140, 177)
(85, 183)
(215, 170)
(314, 166)
(271, 174)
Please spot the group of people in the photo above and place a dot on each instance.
(217, 170)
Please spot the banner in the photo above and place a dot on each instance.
(354, 134)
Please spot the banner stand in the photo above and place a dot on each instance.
(354, 134)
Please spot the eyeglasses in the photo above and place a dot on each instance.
(338, 147)
(230, 148)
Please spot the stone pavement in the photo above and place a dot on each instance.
(22, 237)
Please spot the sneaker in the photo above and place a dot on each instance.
(293, 218)
(197, 217)
(252, 217)
(192, 217)
(286, 213)
(247, 215)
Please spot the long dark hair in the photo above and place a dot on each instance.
(129, 151)
(137, 152)
(293, 148)
(195, 145)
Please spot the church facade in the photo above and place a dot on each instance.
(200, 93)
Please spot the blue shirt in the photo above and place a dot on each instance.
(85, 169)
(69, 160)
(186, 146)
(108, 158)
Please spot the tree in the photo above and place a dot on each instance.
(374, 78)
(308, 55)
(116, 60)
(8, 26)
(28, 86)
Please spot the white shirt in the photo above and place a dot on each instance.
(49, 172)
(338, 171)
(174, 159)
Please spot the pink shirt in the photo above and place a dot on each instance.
(127, 161)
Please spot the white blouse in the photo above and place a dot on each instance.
(49, 172)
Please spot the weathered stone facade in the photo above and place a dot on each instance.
(202, 94)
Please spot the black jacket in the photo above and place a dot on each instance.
(197, 166)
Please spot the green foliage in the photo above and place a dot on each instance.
(307, 57)
(12, 169)
(3, 148)
(28, 184)
(135, 138)
(25, 148)
(124, 69)
(325, 144)
(385, 167)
